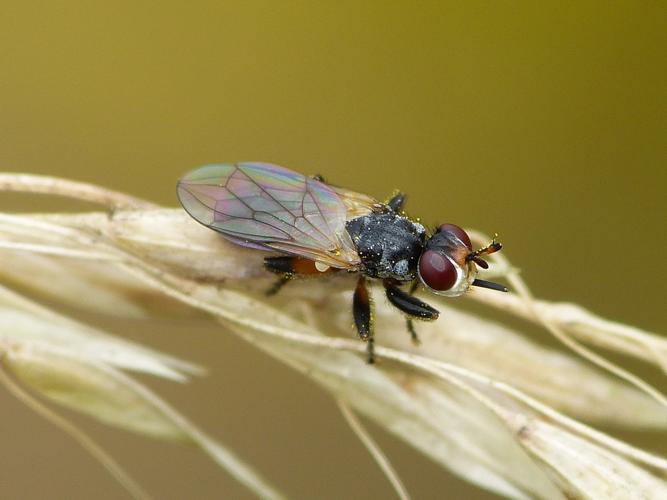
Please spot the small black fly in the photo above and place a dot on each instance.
(320, 229)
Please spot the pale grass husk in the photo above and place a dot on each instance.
(477, 396)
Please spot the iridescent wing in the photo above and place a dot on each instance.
(265, 206)
(357, 204)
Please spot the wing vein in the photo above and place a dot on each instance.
(265, 206)
(302, 216)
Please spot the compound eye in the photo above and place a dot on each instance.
(458, 232)
(437, 271)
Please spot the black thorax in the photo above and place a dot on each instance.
(388, 244)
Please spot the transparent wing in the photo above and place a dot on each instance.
(265, 206)
(357, 204)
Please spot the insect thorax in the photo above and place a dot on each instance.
(388, 244)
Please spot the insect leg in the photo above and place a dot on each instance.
(396, 202)
(282, 265)
(409, 323)
(289, 267)
(411, 330)
(363, 317)
(410, 305)
(277, 286)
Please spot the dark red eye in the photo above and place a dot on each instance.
(458, 232)
(437, 271)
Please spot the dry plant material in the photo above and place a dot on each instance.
(477, 396)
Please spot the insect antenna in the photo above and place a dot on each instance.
(479, 261)
(492, 247)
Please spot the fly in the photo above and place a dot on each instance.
(320, 229)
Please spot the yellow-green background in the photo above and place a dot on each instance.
(543, 121)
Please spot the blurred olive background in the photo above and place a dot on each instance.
(542, 121)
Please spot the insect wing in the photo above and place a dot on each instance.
(260, 205)
(357, 204)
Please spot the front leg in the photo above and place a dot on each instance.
(363, 317)
(409, 323)
(410, 305)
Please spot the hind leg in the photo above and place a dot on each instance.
(363, 316)
(283, 266)
(289, 267)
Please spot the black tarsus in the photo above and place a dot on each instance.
(396, 202)
(409, 323)
(363, 318)
(277, 286)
